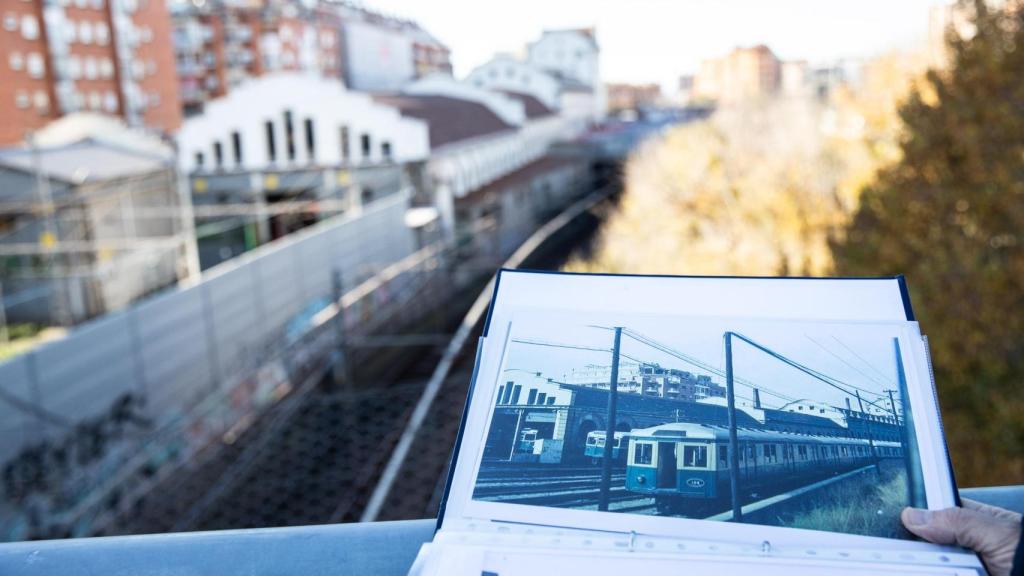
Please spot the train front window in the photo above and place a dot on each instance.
(642, 453)
(695, 456)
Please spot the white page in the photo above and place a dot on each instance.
(936, 480)
(870, 300)
(790, 298)
(793, 298)
(497, 560)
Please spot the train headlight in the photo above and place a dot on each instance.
(641, 480)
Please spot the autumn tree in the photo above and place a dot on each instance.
(950, 216)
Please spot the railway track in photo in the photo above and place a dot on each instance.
(563, 487)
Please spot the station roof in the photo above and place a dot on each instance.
(533, 107)
(81, 162)
(450, 119)
(521, 176)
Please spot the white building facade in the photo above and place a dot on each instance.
(506, 73)
(457, 168)
(297, 120)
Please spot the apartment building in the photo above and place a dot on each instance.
(219, 44)
(65, 56)
(744, 74)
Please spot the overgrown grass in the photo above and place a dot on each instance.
(24, 337)
(868, 506)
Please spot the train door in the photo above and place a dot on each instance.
(667, 475)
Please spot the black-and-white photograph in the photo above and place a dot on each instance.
(782, 424)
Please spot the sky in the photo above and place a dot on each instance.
(856, 355)
(658, 40)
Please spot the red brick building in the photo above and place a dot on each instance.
(219, 44)
(86, 55)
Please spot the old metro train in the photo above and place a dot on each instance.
(594, 448)
(678, 461)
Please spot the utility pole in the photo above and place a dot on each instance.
(609, 434)
(892, 404)
(341, 372)
(871, 440)
(734, 457)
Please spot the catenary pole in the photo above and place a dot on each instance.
(871, 436)
(892, 405)
(609, 434)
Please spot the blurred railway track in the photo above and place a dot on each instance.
(316, 456)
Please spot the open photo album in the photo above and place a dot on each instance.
(696, 425)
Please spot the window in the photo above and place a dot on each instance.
(642, 453)
(70, 31)
(200, 160)
(91, 69)
(10, 21)
(218, 155)
(102, 33)
(541, 398)
(289, 134)
(695, 456)
(21, 99)
(41, 101)
(95, 101)
(310, 139)
(515, 394)
(551, 400)
(508, 393)
(29, 27)
(75, 67)
(16, 61)
(236, 147)
(36, 68)
(106, 68)
(385, 151)
(365, 146)
(110, 102)
(532, 396)
(85, 32)
(346, 151)
(97, 4)
(271, 145)
(723, 453)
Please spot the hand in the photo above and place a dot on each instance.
(991, 532)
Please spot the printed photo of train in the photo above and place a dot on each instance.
(725, 421)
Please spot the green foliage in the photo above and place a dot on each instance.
(950, 216)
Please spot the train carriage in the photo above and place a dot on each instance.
(595, 446)
(679, 461)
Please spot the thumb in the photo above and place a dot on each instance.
(949, 526)
(933, 526)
